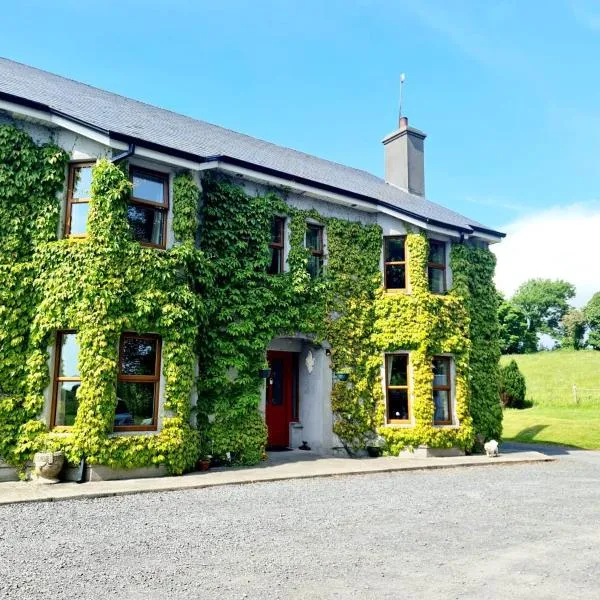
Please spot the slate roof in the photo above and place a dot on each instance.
(126, 118)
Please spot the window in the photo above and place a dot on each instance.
(138, 382)
(148, 207)
(437, 267)
(441, 391)
(396, 385)
(394, 259)
(66, 380)
(314, 242)
(276, 246)
(79, 195)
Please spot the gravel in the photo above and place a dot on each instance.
(527, 531)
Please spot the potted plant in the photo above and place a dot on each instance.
(47, 466)
(375, 445)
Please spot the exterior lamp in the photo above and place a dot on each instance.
(341, 376)
(264, 373)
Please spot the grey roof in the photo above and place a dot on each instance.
(131, 118)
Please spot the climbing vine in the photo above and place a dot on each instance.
(217, 309)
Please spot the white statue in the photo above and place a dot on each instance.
(491, 448)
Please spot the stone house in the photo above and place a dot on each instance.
(179, 289)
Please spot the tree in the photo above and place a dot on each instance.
(592, 315)
(545, 302)
(515, 337)
(512, 386)
(574, 324)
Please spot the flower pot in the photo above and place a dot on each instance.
(373, 451)
(48, 465)
(203, 465)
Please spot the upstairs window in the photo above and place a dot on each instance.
(277, 246)
(437, 267)
(148, 207)
(67, 380)
(138, 383)
(441, 391)
(396, 385)
(314, 242)
(394, 262)
(79, 195)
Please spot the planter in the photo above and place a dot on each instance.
(203, 465)
(373, 451)
(48, 465)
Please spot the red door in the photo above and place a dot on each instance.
(279, 398)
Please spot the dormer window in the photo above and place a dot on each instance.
(148, 207)
(436, 267)
(394, 262)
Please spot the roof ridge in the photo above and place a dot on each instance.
(182, 115)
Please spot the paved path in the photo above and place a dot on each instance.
(280, 466)
(528, 531)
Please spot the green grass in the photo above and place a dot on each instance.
(555, 417)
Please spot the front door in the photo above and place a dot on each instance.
(279, 398)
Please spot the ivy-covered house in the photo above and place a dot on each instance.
(173, 289)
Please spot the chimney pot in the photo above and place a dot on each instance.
(403, 123)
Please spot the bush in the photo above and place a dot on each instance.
(512, 386)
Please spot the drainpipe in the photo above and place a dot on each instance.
(119, 157)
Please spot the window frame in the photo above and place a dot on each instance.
(58, 379)
(73, 166)
(320, 254)
(163, 207)
(280, 221)
(404, 263)
(142, 378)
(444, 388)
(406, 387)
(439, 266)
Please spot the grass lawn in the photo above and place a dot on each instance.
(555, 416)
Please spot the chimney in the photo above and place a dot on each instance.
(404, 158)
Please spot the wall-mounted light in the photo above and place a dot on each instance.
(264, 373)
(327, 351)
(341, 376)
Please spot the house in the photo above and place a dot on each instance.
(172, 289)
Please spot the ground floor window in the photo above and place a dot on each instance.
(66, 380)
(396, 380)
(138, 382)
(442, 390)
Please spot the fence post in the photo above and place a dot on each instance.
(575, 393)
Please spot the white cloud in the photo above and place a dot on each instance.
(557, 243)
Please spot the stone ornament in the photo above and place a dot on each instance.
(310, 361)
(491, 448)
(47, 466)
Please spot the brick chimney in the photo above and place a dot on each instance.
(404, 158)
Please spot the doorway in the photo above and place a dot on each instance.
(281, 397)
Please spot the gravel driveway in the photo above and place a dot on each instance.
(527, 531)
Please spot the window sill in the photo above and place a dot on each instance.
(400, 424)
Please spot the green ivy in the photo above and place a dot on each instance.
(217, 309)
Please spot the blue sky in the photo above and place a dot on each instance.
(507, 91)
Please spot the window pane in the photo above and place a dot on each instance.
(138, 356)
(66, 403)
(398, 405)
(135, 404)
(82, 182)
(277, 382)
(395, 277)
(436, 281)
(149, 188)
(277, 231)
(275, 265)
(440, 400)
(69, 353)
(314, 238)
(315, 266)
(394, 250)
(437, 252)
(146, 224)
(397, 369)
(441, 376)
(79, 217)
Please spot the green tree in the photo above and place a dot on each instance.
(512, 386)
(545, 302)
(573, 324)
(515, 336)
(592, 315)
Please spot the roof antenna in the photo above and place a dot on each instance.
(402, 79)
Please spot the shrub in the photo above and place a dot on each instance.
(512, 386)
